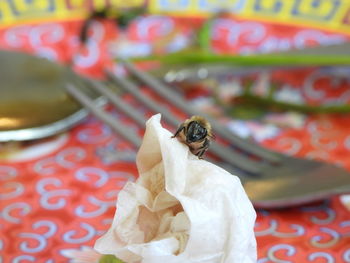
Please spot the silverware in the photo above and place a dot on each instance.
(271, 180)
(33, 101)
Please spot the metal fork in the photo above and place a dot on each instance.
(271, 180)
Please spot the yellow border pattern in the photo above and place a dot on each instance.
(14, 12)
(333, 15)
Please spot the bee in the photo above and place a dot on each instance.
(196, 133)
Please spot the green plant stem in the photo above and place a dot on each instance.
(194, 57)
(204, 35)
(269, 102)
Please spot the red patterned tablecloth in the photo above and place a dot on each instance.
(65, 199)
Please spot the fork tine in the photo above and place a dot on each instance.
(126, 133)
(170, 95)
(231, 157)
(117, 102)
(133, 89)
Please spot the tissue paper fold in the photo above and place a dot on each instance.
(181, 209)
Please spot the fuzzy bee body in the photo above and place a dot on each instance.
(196, 133)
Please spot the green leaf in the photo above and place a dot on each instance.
(110, 259)
(246, 112)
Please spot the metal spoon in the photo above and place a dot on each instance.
(33, 101)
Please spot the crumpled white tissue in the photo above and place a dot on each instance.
(181, 209)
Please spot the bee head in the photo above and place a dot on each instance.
(195, 132)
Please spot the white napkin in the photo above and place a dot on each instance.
(181, 209)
